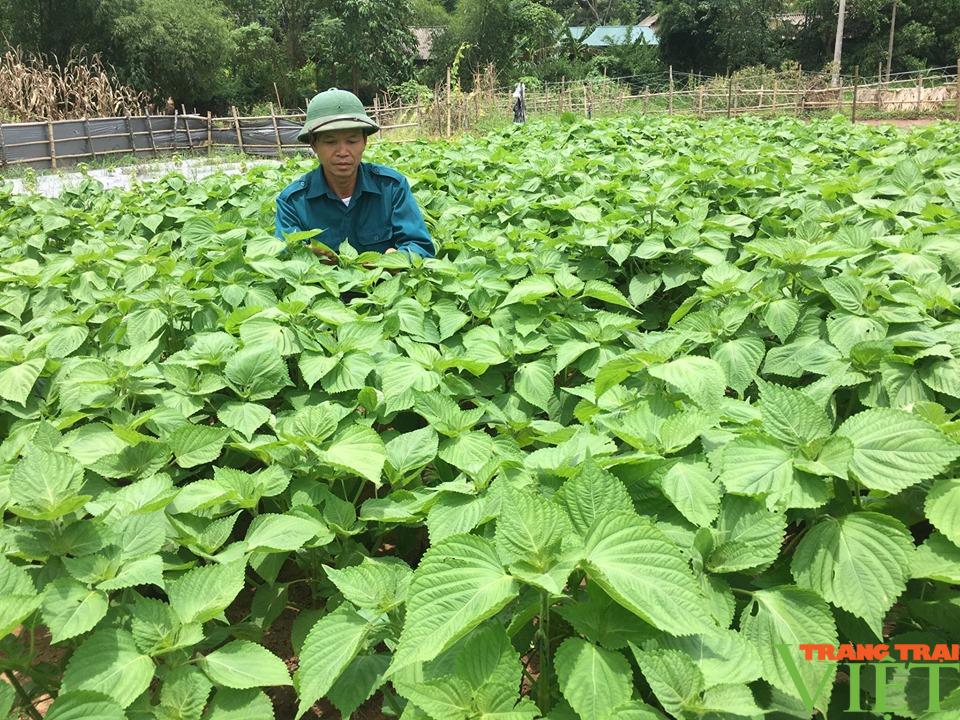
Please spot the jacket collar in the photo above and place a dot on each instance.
(317, 183)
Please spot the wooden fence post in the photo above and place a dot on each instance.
(700, 102)
(448, 102)
(133, 142)
(86, 131)
(856, 87)
(646, 98)
(729, 94)
(209, 133)
(3, 152)
(276, 131)
(174, 129)
(53, 145)
(956, 109)
(186, 125)
(236, 125)
(919, 91)
(153, 142)
(775, 85)
(670, 96)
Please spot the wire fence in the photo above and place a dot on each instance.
(451, 110)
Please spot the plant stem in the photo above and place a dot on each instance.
(24, 697)
(543, 687)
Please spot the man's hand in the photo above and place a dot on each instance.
(326, 255)
(389, 250)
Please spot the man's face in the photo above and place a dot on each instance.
(339, 151)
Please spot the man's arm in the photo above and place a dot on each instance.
(287, 221)
(409, 230)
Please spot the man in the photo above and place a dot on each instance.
(368, 205)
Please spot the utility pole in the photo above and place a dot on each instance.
(893, 25)
(838, 44)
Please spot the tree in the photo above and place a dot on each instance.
(367, 43)
(428, 13)
(181, 47)
(719, 35)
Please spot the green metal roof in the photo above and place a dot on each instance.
(607, 35)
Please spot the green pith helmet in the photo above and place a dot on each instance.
(335, 109)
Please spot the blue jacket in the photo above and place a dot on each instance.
(382, 213)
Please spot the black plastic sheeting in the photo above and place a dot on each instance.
(30, 145)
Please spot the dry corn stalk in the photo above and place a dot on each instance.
(35, 88)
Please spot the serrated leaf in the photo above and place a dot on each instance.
(592, 494)
(758, 466)
(330, 646)
(108, 662)
(791, 416)
(534, 383)
(672, 676)
(748, 536)
(460, 583)
(245, 418)
(859, 562)
(194, 445)
(376, 584)
(893, 450)
(530, 289)
(641, 569)
(227, 704)
(17, 381)
(699, 378)
(593, 680)
(70, 608)
(781, 317)
(204, 592)
(84, 705)
(942, 507)
(411, 451)
(358, 449)
(242, 665)
(359, 681)
(722, 657)
(693, 490)
(788, 616)
(45, 483)
(270, 532)
(740, 359)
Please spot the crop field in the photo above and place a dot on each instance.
(674, 399)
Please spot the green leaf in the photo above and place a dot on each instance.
(108, 662)
(411, 451)
(460, 583)
(788, 616)
(636, 565)
(859, 562)
(534, 383)
(672, 676)
(781, 317)
(606, 292)
(586, 213)
(748, 536)
(194, 445)
(759, 466)
(693, 489)
(242, 665)
(71, 608)
(358, 449)
(227, 704)
(722, 657)
(791, 416)
(258, 372)
(142, 571)
(593, 680)
(592, 494)
(204, 592)
(245, 418)
(942, 507)
(279, 533)
(17, 381)
(699, 378)
(359, 681)
(330, 646)
(184, 693)
(469, 452)
(529, 529)
(530, 289)
(375, 584)
(84, 705)
(46, 483)
(937, 559)
(893, 450)
(740, 359)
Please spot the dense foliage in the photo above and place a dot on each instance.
(671, 395)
